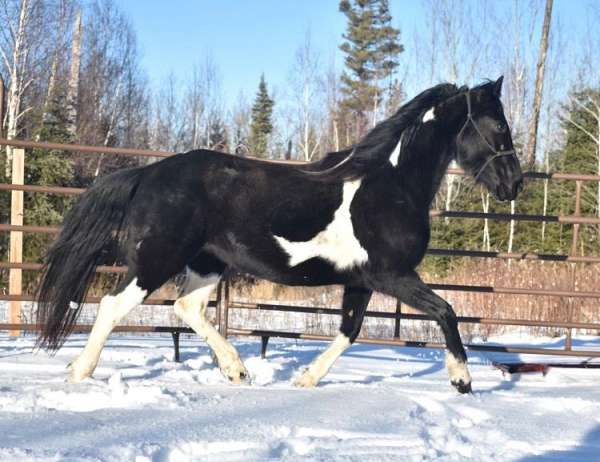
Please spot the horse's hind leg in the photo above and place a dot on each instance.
(354, 305)
(202, 277)
(112, 309)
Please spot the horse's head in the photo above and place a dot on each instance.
(484, 143)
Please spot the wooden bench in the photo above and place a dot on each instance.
(173, 330)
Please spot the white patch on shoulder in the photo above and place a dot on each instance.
(336, 243)
(396, 153)
(429, 115)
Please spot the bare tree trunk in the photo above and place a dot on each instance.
(16, 69)
(539, 86)
(545, 208)
(51, 89)
(450, 181)
(1, 106)
(485, 202)
(598, 157)
(109, 132)
(73, 86)
(511, 234)
(336, 134)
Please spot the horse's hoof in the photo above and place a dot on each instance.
(76, 375)
(305, 381)
(462, 387)
(236, 373)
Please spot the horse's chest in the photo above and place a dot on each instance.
(336, 243)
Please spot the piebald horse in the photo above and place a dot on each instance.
(359, 218)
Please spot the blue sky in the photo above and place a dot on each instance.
(248, 37)
(245, 38)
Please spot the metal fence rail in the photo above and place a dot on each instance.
(224, 304)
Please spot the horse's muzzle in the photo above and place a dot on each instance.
(504, 192)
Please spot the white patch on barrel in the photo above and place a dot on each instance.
(429, 115)
(396, 153)
(336, 243)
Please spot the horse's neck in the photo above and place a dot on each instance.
(424, 172)
(435, 151)
(439, 167)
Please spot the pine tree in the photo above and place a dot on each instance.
(47, 167)
(579, 155)
(261, 126)
(372, 47)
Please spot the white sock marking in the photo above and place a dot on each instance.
(457, 370)
(191, 308)
(396, 153)
(336, 243)
(429, 115)
(321, 365)
(112, 309)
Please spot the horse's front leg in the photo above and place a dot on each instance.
(354, 305)
(411, 290)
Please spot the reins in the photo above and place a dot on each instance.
(497, 154)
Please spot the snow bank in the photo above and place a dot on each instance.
(378, 403)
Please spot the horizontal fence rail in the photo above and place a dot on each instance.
(223, 303)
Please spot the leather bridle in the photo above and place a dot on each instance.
(497, 154)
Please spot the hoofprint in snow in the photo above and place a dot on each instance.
(378, 403)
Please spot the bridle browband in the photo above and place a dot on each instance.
(507, 152)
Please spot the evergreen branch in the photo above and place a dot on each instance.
(583, 129)
(587, 109)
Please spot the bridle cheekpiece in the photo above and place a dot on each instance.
(497, 154)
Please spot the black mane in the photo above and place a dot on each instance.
(375, 148)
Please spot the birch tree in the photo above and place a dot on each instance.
(539, 86)
(112, 90)
(202, 104)
(16, 48)
(240, 118)
(73, 84)
(456, 45)
(307, 91)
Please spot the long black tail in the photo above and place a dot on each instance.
(89, 230)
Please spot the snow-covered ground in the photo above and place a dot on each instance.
(378, 403)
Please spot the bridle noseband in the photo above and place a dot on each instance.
(507, 152)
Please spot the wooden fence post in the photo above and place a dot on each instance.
(397, 319)
(15, 281)
(223, 307)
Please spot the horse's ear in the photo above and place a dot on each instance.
(497, 88)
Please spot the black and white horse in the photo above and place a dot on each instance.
(359, 218)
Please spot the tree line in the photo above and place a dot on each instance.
(72, 73)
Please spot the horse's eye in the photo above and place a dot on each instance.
(501, 127)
